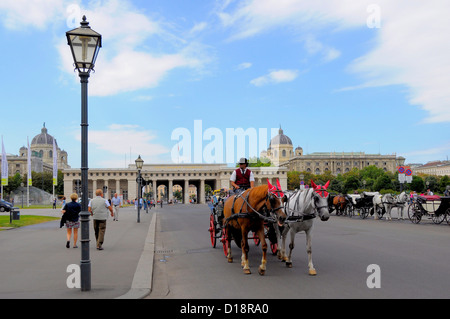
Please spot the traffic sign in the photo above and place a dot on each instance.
(408, 172)
(401, 170)
(408, 178)
(401, 178)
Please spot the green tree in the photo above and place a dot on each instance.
(371, 172)
(443, 183)
(382, 182)
(417, 184)
(257, 162)
(432, 183)
(13, 183)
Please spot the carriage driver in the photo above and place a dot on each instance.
(242, 178)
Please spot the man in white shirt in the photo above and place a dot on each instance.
(116, 203)
(99, 207)
(242, 178)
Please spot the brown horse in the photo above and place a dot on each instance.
(339, 203)
(243, 213)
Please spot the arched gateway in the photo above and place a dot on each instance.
(123, 180)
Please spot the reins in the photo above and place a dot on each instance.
(246, 214)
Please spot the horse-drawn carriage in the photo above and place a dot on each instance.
(218, 232)
(434, 206)
(364, 204)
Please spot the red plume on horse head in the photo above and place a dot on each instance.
(319, 189)
(275, 190)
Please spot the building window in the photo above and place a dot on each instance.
(284, 153)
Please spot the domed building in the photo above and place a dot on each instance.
(281, 153)
(280, 149)
(42, 147)
(41, 156)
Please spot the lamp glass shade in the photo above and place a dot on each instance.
(139, 162)
(84, 44)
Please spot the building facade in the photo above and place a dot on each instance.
(41, 156)
(439, 168)
(281, 153)
(183, 176)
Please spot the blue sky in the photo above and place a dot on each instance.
(361, 76)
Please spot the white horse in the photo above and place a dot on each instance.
(395, 201)
(301, 209)
(378, 204)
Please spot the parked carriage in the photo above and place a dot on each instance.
(436, 207)
(364, 205)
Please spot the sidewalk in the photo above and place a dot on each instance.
(34, 259)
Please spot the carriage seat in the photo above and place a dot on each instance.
(430, 197)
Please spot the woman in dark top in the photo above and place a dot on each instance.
(70, 215)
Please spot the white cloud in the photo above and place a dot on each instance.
(244, 66)
(125, 63)
(410, 49)
(423, 155)
(313, 47)
(198, 27)
(112, 144)
(20, 14)
(274, 77)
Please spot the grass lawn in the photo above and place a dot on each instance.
(25, 220)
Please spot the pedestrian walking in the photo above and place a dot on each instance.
(63, 202)
(99, 207)
(71, 219)
(117, 204)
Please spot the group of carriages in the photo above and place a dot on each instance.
(436, 208)
(237, 217)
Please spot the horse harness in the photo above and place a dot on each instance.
(247, 215)
(301, 218)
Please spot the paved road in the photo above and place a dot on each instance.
(414, 261)
(34, 259)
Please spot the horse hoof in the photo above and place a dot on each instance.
(262, 272)
(288, 264)
(230, 260)
(247, 271)
(312, 272)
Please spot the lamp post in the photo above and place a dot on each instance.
(85, 44)
(21, 189)
(139, 163)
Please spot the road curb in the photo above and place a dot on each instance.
(142, 280)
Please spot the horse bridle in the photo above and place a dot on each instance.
(317, 196)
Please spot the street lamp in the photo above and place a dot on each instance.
(139, 163)
(21, 189)
(85, 44)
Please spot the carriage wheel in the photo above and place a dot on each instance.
(437, 219)
(447, 215)
(225, 241)
(349, 211)
(414, 214)
(212, 230)
(363, 213)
